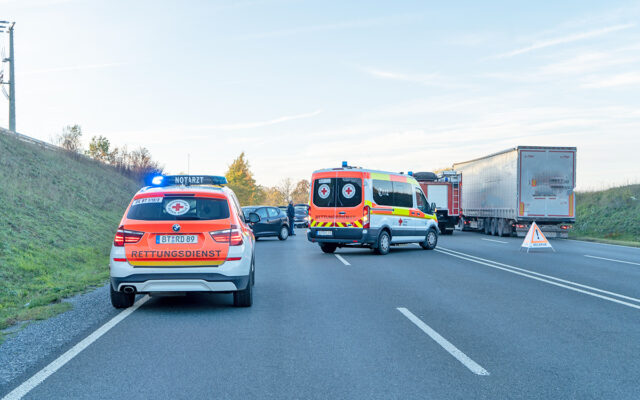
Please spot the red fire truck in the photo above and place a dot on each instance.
(444, 190)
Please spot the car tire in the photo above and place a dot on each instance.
(384, 243)
(430, 241)
(284, 232)
(328, 248)
(121, 299)
(244, 298)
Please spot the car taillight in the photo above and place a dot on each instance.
(565, 227)
(126, 236)
(233, 236)
(366, 211)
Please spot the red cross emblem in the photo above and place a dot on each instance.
(400, 221)
(348, 190)
(177, 207)
(324, 190)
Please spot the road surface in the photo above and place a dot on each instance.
(476, 318)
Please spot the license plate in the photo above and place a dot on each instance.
(176, 239)
(324, 233)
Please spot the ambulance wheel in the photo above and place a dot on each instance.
(328, 248)
(430, 241)
(284, 233)
(384, 243)
(121, 299)
(244, 298)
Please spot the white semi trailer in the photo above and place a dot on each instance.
(503, 193)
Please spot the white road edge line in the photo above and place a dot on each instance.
(547, 276)
(444, 343)
(493, 240)
(548, 281)
(339, 257)
(606, 244)
(59, 362)
(613, 259)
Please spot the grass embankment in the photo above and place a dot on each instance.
(58, 215)
(609, 216)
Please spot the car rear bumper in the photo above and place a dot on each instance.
(192, 282)
(346, 236)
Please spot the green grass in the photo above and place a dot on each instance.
(58, 215)
(609, 216)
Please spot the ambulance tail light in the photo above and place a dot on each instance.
(126, 236)
(366, 213)
(233, 236)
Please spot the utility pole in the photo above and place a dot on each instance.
(12, 76)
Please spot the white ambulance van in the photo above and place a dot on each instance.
(366, 208)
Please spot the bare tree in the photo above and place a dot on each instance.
(69, 139)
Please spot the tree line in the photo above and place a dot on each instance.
(136, 163)
(241, 181)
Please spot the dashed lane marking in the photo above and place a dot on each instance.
(444, 343)
(613, 259)
(493, 240)
(339, 257)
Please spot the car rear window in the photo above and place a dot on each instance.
(178, 209)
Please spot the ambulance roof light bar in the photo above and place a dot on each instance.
(187, 180)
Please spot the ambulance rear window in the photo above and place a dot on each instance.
(350, 192)
(178, 209)
(324, 192)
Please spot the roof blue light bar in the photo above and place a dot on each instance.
(188, 180)
(345, 164)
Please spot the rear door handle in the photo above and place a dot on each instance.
(342, 213)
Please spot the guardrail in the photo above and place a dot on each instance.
(29, 139)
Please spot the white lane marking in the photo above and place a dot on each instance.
(549, 277)
(493, 240)
(59, 362)
(450, 348)
(613, 259)
(339, 257)
(526, 275)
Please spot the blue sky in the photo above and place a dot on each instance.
(301, 85)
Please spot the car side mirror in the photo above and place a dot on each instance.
(253, 218)
(433, 207)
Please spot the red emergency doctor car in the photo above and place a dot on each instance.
(184, 233)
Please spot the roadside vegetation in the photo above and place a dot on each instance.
(59, 211)
(611, 215)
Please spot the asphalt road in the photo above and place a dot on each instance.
(476, 318)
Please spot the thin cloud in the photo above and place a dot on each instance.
(259, 124)
(73, 68)
(432, 79)
(567, 39)
(361, 23)
(626, 79)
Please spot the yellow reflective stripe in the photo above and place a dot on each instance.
(405, 212)
(357, 224)
(379, 176)
(185, 263)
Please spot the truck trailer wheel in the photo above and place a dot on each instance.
(504, 229)
(486, 224)
(494, 227)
